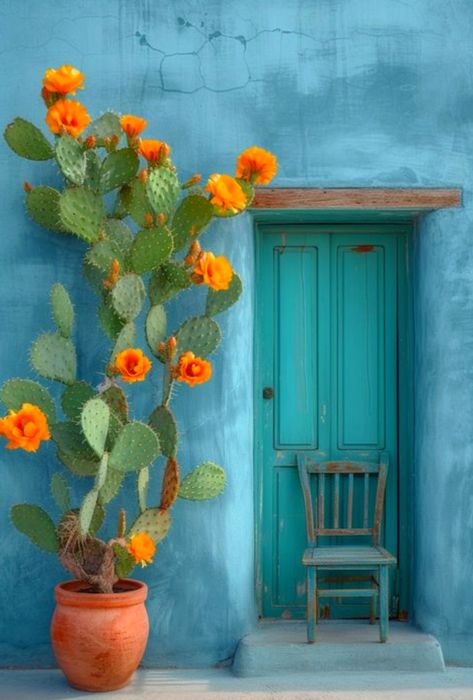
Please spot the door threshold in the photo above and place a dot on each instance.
(279, 646)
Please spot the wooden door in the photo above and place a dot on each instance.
(327, 381)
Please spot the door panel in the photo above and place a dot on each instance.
(328, 348)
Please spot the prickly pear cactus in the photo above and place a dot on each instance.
(155, 521)
(223, 299)
(71, 159)
(206, 481)
(151, 248)
(167, 281)
(27, 140)
(199, 334)
(118, 168)
(82, 212)
(163, 190)
(128, 296)
(191, 218)
(42, 204)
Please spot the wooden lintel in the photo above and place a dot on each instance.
(356, 198)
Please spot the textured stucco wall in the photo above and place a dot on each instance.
(360, 93)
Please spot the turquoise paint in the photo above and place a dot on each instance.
(359, 93)
(327, 323)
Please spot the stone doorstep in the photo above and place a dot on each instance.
(341, 646)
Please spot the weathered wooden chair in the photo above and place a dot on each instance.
(368, 558)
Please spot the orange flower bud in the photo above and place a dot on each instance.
(161, 218)
(161, 347)
(172, 342)
(25, 429)
(90, 142)
(113, 276)
(193, 253)
(149, 219)
(114, 140)
(27, 187)
(143, 175)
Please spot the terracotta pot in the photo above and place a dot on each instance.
(99, 638)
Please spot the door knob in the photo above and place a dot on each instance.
(268, 392)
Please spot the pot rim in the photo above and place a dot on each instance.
(67, 593)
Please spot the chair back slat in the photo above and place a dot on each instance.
(336, 481)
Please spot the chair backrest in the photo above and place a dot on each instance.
(338, 477)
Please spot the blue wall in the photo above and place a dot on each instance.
(358, 93)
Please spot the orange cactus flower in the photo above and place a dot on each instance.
(214, 271)
(226, 193)
(25, 429)
(69, 116)
(153, 150)
(132, 365)
(256, 165)
(142, 548)
(131, 125)
(63, 80)
(192, 370)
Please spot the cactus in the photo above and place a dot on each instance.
(118, 232)
(112, 485)
(142, 484)
(116, 400)
(128, 296)
(222, 300)
(42, 204)
(103, 253)
(125, 339)
(105, 127)
(82, 212)
(170, 487)
(54, 357)
(124, 562)
(71, 159)
(36, 524)
(134, 200)
(15, 392)
(111, 323)
(155, 327)
(151, 248)
(205, 482)
(136, 447)
(192, 216)
(163, 190)
(92, 170)
(74, 397)
(27, 141)
(167, 281)
(70, 441)
(87, 510)
(60, 492)
(95, 278)
(155, 521)
(164, 425)
(101, 475)
(199, 334)
(79, 466)
(95, 421)
(118, 169)
(63, 311)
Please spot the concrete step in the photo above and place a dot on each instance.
(277, 647)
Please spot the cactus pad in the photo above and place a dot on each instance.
(170, 487)
(205, 482)
(151, 248)
(109, 320)
(95, 278)
(95, 421)
(101, 475)
(112, 485)
(136, 447)
(192, 216)
(118, 232)
(82, 212)
(105, 127)
(27, 141)
(124, 562)
(125, 339)
(42, 204)
(199, 334)
(155, 521)
(92, 170)
(128, 296)
(163, 190)
(74, 397)
(103, 253)
(71, 159)
(142, 484)
(63, 311)
(79, 466)
(36, 524)
(15, 392)
(54, 357)
(222, 300)
(164, 425)
(134, 200)
(70, 441)
(167, 281)
(155, 327)
(116, 400)
(60, 492)
(118, 169)
(87, 510)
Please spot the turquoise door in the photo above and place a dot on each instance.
(327, 381)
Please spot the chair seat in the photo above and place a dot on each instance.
(341, 556)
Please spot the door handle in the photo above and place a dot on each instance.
(268, 392)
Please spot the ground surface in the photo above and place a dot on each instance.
(454, 684)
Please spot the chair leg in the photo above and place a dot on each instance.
(374, 601)
(311, 603)
(383, 603)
